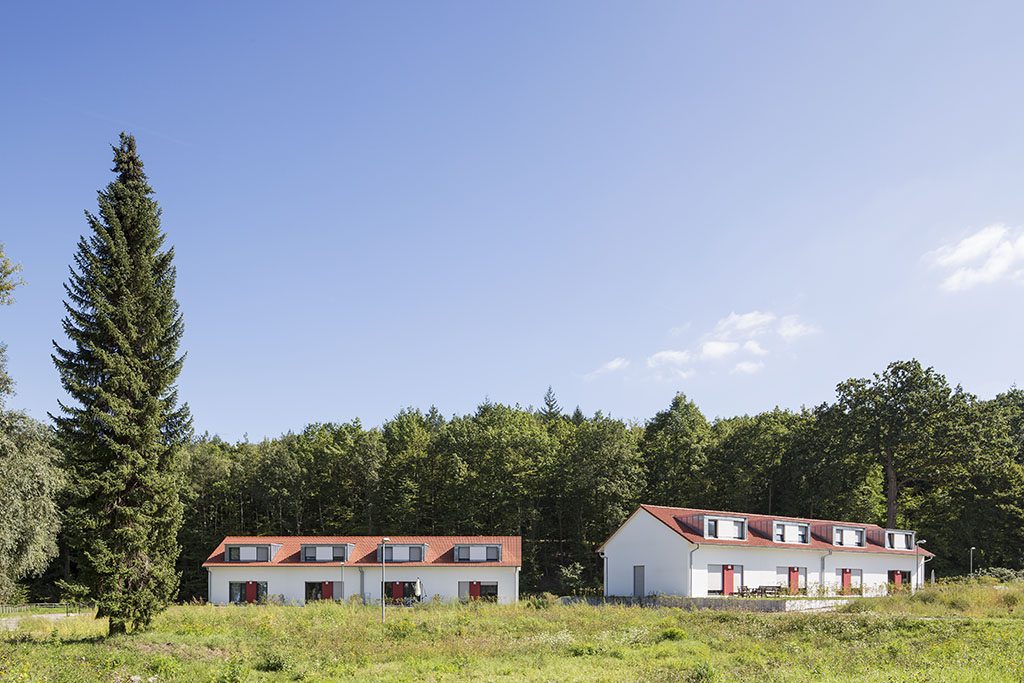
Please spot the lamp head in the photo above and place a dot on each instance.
(385, 540)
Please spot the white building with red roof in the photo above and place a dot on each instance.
(697, 553)
(298, 569)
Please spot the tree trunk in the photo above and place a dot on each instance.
(892, 492)
(117, 627)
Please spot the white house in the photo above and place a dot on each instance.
(297, 569)
(697, 553)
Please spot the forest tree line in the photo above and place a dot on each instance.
(901, 443)
(116, 501)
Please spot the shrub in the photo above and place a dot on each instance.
(542, 601)
(271, 661)
(672, 633)
(703, 673)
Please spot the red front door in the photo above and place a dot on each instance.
(847, 580)
(396, 590)
(250, 591)
(794, 580)
(474, 590)
(727, 579)
(327, 590)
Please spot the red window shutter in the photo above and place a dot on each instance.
(327, 590)
(396, 590)
(847, 580)
(250, 591)
(898, 579)
(727, 579)
(794, 580)
(474, 590)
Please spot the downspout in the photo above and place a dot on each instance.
(696, 547)
(821, 575)
(362, 592)
(604, 570)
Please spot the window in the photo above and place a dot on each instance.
(791, 532)
(478, 553)
(314, 590)
(309, 553)
(234, 554)
(726, 528)
(899, 540)
(478, 590)
(338, 553)
(402, 592)
(241, 592)
(415, 553)
(848, 536)
(389, 553)
(262, 553)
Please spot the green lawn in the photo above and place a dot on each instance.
(956, 634)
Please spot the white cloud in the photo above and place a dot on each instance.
(743, 324)
(989, 255)
(754, 347)
(791, 327)
(668, 357)
(748, 367)
(614, 365)
(716, 349)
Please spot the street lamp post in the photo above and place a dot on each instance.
(972, 559)
(383, 548)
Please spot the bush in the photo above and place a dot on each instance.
(271, 661)
(703, 673)
(672, 633)
(542, 601)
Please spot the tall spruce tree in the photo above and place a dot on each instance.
(123, 438)
(551, 410)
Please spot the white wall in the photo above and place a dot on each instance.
(644, 540)
(760, 566)
(290, 582)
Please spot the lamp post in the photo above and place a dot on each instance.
(383, 553)
(972, 559)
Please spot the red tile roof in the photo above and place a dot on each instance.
(440, 550)
(684, 521)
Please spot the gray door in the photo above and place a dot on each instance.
(638, 581)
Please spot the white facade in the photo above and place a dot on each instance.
(288, 583)
(646, 557)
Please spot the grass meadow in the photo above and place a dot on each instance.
(944, 633)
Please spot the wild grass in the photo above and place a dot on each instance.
(883, 640)
(974, 599)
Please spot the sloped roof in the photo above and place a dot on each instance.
(683, 521)
(440, 550)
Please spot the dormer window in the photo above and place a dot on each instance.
(478, 553)
(324, 553)
(248, 553)
(792, 532)
(848, 536)
(896, 539)
(725, 528)
(402, 552)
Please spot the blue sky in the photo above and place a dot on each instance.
(403, 204)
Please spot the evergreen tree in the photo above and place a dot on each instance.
(122, 440)
(551, 410)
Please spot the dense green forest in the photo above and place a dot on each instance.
(123, 477)
(566, 481)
